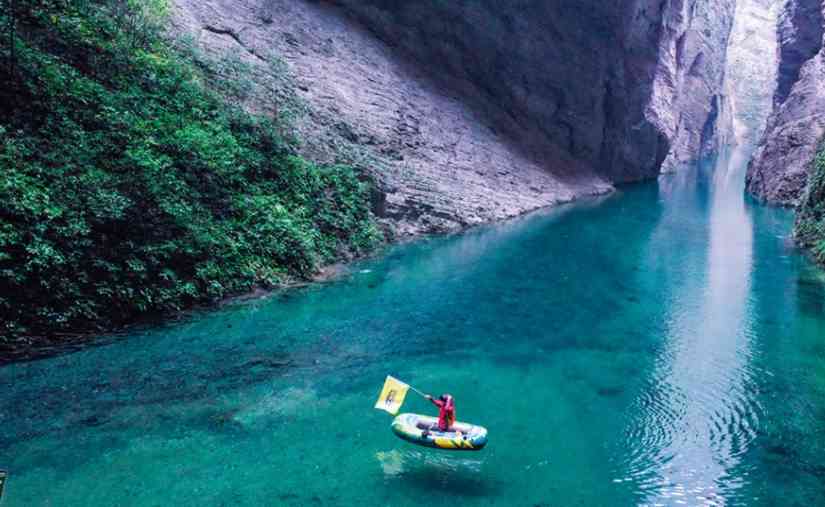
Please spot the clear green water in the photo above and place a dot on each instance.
(664, 345)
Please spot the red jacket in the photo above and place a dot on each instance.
(446, 412)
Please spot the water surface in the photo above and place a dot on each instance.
(664, 345)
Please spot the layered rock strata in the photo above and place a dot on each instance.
(472, 111)
(621, 86)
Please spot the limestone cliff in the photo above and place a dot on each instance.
(688, 96)
(779, 171)
(471, 111)
(621, 86)
(440, 163)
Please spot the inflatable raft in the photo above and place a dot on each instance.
(423, 430)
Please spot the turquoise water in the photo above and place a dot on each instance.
(664, 345)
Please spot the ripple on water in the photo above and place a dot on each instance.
(690, 432)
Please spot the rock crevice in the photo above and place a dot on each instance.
(778, 173)
(234, 36)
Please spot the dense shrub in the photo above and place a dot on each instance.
(127, 186)
(810, 219)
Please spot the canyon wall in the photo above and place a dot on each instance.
(472, 111)
(779, 171)
(622, 86)
(688, 88)
(440, 163)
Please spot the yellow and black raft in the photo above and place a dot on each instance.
(423, 430)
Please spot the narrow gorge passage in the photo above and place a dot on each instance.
(661, 345)
(698, 417)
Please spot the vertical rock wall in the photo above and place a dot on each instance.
(779, 171)
(623, 86)
(751, 76)
(468, 111)
(688, 86)
(439, 163)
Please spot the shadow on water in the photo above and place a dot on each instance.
(419, 472)
(810, 287)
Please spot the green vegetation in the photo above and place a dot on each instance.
(810, 218)
(128, 187)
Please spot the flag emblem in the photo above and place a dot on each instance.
(392, 395)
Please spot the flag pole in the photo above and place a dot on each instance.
(418, 392)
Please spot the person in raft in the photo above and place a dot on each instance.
(446, 412)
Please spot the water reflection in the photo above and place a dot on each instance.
(698, 417)
(700, 412)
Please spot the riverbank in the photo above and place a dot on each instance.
(259, 143)
(29, 348)
(176, 173)
(131, 187)
(809, 228)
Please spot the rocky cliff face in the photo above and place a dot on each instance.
(471, 111)
(440, 163)
(688, 96)
(779, 171)
(622, 86)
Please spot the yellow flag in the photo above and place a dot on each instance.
(392, 395)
